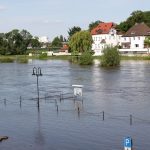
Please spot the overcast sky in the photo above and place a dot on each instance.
(54, 17)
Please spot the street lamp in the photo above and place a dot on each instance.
(37, 72)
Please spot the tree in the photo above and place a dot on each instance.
(111, 57)
(61, 38)
(14, 42)
(56, 42)
(81, 42)
(147, 43)
(135, 17)
(73, 30)
(94, 24)
(35, 43)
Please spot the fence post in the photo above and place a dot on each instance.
(130, 119)
(57, 107)
(20, 101)
(103, 115)
(5, 101)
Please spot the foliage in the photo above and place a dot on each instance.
(35, 43)
(86, 59)
(135, 17)
(111, 57)
(147, 41)
(43, 56)
(80, 42)
(73, 30)
(6, 60)
(94, 24)
(22, 60)
(56, 42)
(14, 42)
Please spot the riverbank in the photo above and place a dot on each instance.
(24, 58)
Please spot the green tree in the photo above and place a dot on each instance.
(81, 42)
(147, 43)
(73, 30)
(111, 57)
(61, 38)
(35, 43)
(86, 58)
(56, 42)
(94, 24)
(135, 17)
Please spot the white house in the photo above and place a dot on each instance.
(104, 35)
(132, 42)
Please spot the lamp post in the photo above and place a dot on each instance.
(37, 72)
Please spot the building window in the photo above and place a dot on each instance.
(133, 38)
(136, 45)
(125, 39)
(139, 37)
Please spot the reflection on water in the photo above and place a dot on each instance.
(118, 92)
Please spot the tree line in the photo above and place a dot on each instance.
(16, 42)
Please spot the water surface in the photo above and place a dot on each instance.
(118, 92)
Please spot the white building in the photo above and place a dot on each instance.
(132, 42)
(104, 35)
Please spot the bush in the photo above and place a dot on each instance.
(22, 60)
(43, 56)
(111, 57)
(6, 60)
(86, 59)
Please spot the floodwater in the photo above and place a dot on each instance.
(119, 92)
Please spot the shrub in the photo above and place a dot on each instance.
(111, 57)
(22, 60)
(86, 59)
(43, 56)
(6, 60)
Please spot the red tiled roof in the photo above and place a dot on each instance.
(102, 28)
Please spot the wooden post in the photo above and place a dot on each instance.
(20, 101)
(60, 97)
(5, 101)
(57, 107)
(130, 119)
(103, 116)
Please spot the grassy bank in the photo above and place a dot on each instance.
(135, 57)
(24, 58)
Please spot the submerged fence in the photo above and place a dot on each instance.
(57, 97)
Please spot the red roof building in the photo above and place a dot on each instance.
(104, 35)
(103, 28)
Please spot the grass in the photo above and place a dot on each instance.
(6, 59)
(135, 57)
(24, 58)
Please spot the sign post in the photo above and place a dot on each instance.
(77, 90)
(127, 143)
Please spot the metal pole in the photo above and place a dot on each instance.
(38, 101)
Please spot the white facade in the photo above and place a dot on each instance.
(43, 39)
(133, 44)
(100, 41)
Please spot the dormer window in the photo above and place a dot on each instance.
(132, 33)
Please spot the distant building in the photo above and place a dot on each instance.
(105, 34)
(132, 42)
(64, 48)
